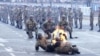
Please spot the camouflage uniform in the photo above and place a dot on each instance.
(5, 14)
(63, 13)
(30, 27)
(80, 18)
(48, 27)
(99, 20)
(91, 19)
(1, 13)
(25, 14)
(76, 18)
(70, 18)
(19, 19)
(66, 26)
(12, 20)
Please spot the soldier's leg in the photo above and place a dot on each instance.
(16, 24)
(70, 31)
(7, 21)
(10, 21)
(99, 26)
(91, 24)
(36, 33)
(80, 21)
(13, 22)
(3, 20)
(75, 50)
(20, 25)
(37, 46)
(48, 33)
(30, 35)
(0, 18)
(76, 23)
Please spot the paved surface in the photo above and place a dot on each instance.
(14, 42)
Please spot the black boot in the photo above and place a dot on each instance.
(70, 35)
(91, 29)
(36, 48)
(98, 30)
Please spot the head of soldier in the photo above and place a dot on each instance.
(39, 36)
(31, 18)
(49, 20)
(63, 18)
(69, 9)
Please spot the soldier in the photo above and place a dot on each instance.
(91, 18)
(49, 13)
(63, 12)
(75, 18)
(70, 18)
(5, 14)
(19, 19)
(0, 13)
(30, 27)
(99, 20)
(66, 26)
(43, 15)
(25, 14)
(48, 27)
(80, 18)
(12, 20)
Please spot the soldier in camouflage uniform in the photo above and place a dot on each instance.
(75, 18)
(64, 23)
(70, 18)
(49, 13)
(91, 18)
(25, 14)
(80, 18)
(0, 12)
(63, 12)
(19, 19)
(5, 14)
(12, 20)
(30, 27)
(48, 27)
(99, 20)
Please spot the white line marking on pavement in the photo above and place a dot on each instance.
(3, 40)
(10, 50)
(56, 55)
(89, 51)
(13, 31)
(2, 45)
(16, 33)
(87, 34)
(12, 54)
(20, 35)
(95, 36)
